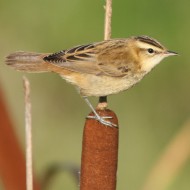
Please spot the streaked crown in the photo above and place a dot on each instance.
(150, 41)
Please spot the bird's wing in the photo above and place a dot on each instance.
(103, 58)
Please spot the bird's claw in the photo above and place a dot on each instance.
(102, 120)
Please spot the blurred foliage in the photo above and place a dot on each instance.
(150, 114)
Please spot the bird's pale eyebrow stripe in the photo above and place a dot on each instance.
(149, 41)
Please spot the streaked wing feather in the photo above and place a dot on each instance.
(79, 59)
(84, 59)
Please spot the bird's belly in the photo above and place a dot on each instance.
(92, 85)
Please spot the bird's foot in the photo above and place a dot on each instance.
(97, 116)
(102, 120)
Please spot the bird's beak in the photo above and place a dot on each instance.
(170, 53)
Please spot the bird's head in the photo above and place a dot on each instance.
(149, 52)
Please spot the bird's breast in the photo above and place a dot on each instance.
(92, 85)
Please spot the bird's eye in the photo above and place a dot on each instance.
(150, 50)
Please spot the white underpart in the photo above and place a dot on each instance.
(147, 66)
(152, 60)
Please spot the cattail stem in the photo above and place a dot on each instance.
(100, 143)
(107, 36)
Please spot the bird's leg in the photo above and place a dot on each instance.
(97, 116)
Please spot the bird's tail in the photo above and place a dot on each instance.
(28, 61)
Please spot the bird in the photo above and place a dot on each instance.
(97, 69)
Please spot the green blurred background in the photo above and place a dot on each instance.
(150, 114)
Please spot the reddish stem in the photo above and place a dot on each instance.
(12, 162)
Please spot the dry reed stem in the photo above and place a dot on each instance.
(171, 161)
(108, 16)
(28, 130)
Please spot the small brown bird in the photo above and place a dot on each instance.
(97, 69)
